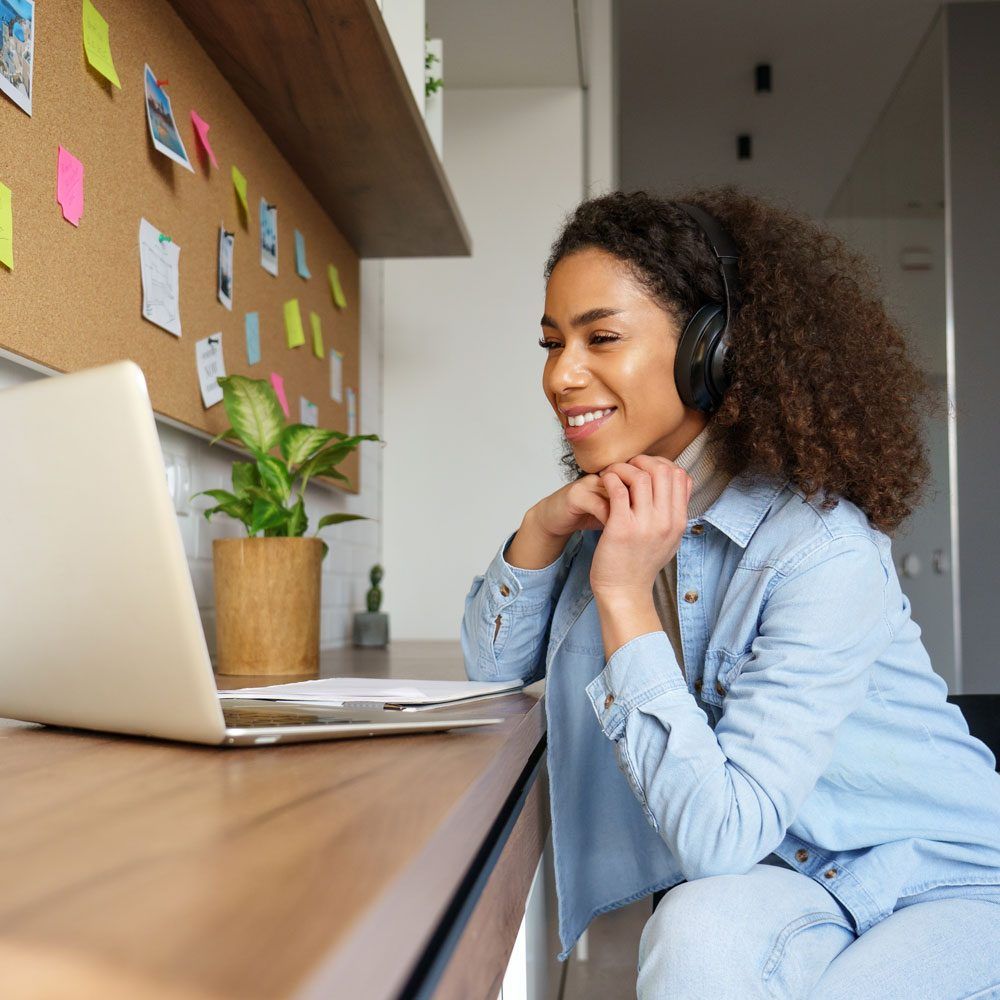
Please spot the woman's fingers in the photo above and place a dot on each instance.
(639, 485)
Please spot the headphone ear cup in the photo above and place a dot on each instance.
(699, 363)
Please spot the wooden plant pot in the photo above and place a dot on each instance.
(267, 599)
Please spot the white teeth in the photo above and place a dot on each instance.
(585, 418)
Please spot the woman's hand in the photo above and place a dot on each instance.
(648, 510)
(579, 506)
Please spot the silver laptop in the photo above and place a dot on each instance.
(99, 625)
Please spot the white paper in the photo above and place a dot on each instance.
(225, 268)
(308, 412)
(158, 261)
(269, 237)
(208, 354)
(336, 375)
(337, 691)
(17, 53)
(352, 413)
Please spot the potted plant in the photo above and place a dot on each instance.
(267, 585)
(371, 628)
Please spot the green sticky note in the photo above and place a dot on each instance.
(335, 289)
(317, 335)
(240, 183)
(293, 324)
(96, 44)
(6, 228)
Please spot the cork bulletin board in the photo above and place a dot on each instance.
(74, 297)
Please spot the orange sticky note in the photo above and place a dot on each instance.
(201, 130)
(69, 186)
(279, 388)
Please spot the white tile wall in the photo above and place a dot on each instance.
(354, 546)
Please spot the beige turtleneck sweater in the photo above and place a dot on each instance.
(708, 482)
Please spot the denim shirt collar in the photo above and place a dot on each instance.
(742, 505)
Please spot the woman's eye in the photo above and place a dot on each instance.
(597, 338)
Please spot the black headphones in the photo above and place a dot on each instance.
(703, 349)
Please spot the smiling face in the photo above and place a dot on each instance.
(590, 298)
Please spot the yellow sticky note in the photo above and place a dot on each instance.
(335, 289)
(317, 335)
(240, 183)
(293, 324)
(6, 228)
(96, 44)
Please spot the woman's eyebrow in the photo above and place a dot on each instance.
(599, 312)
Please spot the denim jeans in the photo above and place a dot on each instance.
(775, 933)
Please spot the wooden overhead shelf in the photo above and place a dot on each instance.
(323, 79)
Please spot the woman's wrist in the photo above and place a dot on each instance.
(533, 547)
(625, 615)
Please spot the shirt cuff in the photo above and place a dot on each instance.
(532, 588)
(643, 668)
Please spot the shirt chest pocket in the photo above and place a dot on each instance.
(722, 667)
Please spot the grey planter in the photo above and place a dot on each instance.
(371, 628)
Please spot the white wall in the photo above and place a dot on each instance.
(354, 546)
(472, 442)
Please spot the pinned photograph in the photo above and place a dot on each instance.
(268, 236)
(226, 267)
(17, 50)
(162, 126)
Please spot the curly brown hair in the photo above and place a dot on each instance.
(825, 389)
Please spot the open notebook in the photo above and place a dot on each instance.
(399, 693)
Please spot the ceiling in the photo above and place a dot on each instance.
(835, 64)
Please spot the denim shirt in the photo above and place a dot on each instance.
(809, 725)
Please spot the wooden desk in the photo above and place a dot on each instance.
(381, 867)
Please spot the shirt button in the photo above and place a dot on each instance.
(697, 684)
(691, 596)
(801, 855)
(719, 689)
(697, 529)
(830, 873)
(504, 589)
(608, 701)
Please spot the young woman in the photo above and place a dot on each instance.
(740, 709)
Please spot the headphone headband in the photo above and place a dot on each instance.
(724, 249)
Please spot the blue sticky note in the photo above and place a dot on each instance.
(300, 256)
(253, 338)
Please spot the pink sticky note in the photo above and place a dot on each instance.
(279, 387)
(69, 186)
(201, 128)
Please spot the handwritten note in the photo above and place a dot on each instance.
(96, 44)
(69, 186)
(158, 260)
(240, 184)
(308, 412)
(300, 256)
(336, 375)
(252, 325)
(6, 228)
(317, 332)
(279, 388)
(208, 354)
(335, 290)
(352, 412)
(293, 324)
(201, 128)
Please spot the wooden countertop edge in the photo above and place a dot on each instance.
(381, 953)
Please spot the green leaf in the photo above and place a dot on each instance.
(253, 410)
(326, 548)
(245, 475)
(339, 519)
(274, 475)
(239, 510)
(223, 496)
(299, 441)
(227, 433)
(265, 514)
(298, 522)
